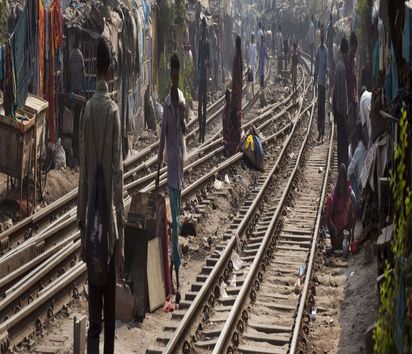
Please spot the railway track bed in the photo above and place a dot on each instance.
(66, 280)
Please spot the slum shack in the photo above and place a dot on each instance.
(22, 136)
(127, 27)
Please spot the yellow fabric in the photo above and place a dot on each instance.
(250, 142)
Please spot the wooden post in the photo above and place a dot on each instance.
(79, 337)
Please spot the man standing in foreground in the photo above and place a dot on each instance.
(321, 69)
(203, 65)
(172, 135)
(100, 192)
(340, 104)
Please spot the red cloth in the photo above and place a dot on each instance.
(344, 209)
(234, 117)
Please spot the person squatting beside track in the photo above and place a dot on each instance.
(100, 192)
(172, 138)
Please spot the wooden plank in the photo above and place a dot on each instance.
(155, 276)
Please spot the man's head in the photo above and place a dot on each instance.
(252, 38)
(344, 46)
(322, 34)
(174, 70)
(103, 58)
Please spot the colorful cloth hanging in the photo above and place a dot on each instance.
(20, 49)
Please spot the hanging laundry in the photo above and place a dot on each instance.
(20, 48)
(8, 86)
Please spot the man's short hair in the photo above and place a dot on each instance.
(103, 56)
(174, 62)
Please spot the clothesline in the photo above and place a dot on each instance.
(30, 58)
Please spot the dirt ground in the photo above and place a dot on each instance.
(347, 303)
(59, 183)
(136, 337)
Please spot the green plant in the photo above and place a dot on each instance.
(363, 10)
(390, 335)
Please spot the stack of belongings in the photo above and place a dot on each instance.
(251, 146)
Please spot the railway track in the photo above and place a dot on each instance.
(42, 273)
(182, 332)
(262, 310)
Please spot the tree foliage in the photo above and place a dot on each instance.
(393, 329)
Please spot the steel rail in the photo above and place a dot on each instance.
(218, 142)
(223, 342)
(178, 336)
(308, 278)
(41, 257)
(16, 233)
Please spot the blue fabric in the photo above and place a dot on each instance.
(146, 11)
(174, 195)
